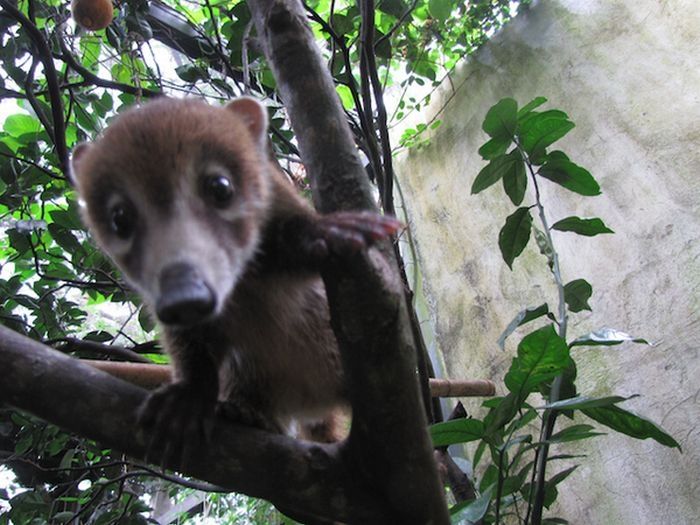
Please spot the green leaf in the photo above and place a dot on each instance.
(515, 179)
(191, 73)
(550, 489)
(574, 433)
(62, 517)
(588, 227)
(581, 402)
(146, 321)
(64, 238)
(542, 355)
(68, 219)
(558, 168)
(20, 124)
(495, 147)
(527, 108)
(524, 316)
(345, 95)
(456, 431)
(606, 337)
(492, 172)
(440, 9)
(502, 119)
(499, 416)
(576, 294)
(541, 130)
(554, 521)
(630, 424)
(515, 235)
(472, 511)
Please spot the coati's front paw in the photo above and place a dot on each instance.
(179, 418)
(244, 414)
(349, 232)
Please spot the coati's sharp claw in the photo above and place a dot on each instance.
(176, 416)
(350, 232)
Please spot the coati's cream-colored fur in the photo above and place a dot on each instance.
(182, 196)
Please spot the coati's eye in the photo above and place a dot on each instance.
(218, 189)
(122, 220)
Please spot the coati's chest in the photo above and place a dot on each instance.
(279, 351)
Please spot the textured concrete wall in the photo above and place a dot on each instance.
(628, 74)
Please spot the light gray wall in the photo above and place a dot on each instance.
(628, 74)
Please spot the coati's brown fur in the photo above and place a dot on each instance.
(229, 268)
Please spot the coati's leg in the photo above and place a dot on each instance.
(305, 241)
(179, 415)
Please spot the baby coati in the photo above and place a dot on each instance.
(226, 254)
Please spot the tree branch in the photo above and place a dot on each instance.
(321, 480)
(388, 442)
(58, 130)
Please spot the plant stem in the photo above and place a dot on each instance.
(549, 417)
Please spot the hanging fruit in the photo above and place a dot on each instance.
(92, 14)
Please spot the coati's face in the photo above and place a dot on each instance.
(176, 193)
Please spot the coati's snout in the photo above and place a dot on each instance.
(185, 297)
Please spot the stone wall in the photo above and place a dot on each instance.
(628, 74)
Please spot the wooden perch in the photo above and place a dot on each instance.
(151, 376)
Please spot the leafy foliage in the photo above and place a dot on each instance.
(514, 482)
(62, 85)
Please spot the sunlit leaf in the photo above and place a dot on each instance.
(606, 337)
(440, 9)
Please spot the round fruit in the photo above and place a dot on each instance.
(92, 14)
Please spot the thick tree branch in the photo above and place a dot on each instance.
(320, 480)
(388, 442)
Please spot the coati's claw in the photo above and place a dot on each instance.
(350, 232)
(179, 418)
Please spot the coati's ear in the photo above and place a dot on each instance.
(78, 153)
(253, 114)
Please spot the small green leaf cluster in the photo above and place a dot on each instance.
(514, 482)
(518, 145)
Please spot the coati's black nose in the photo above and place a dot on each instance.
(185, 298)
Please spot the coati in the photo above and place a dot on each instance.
(226, 254)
